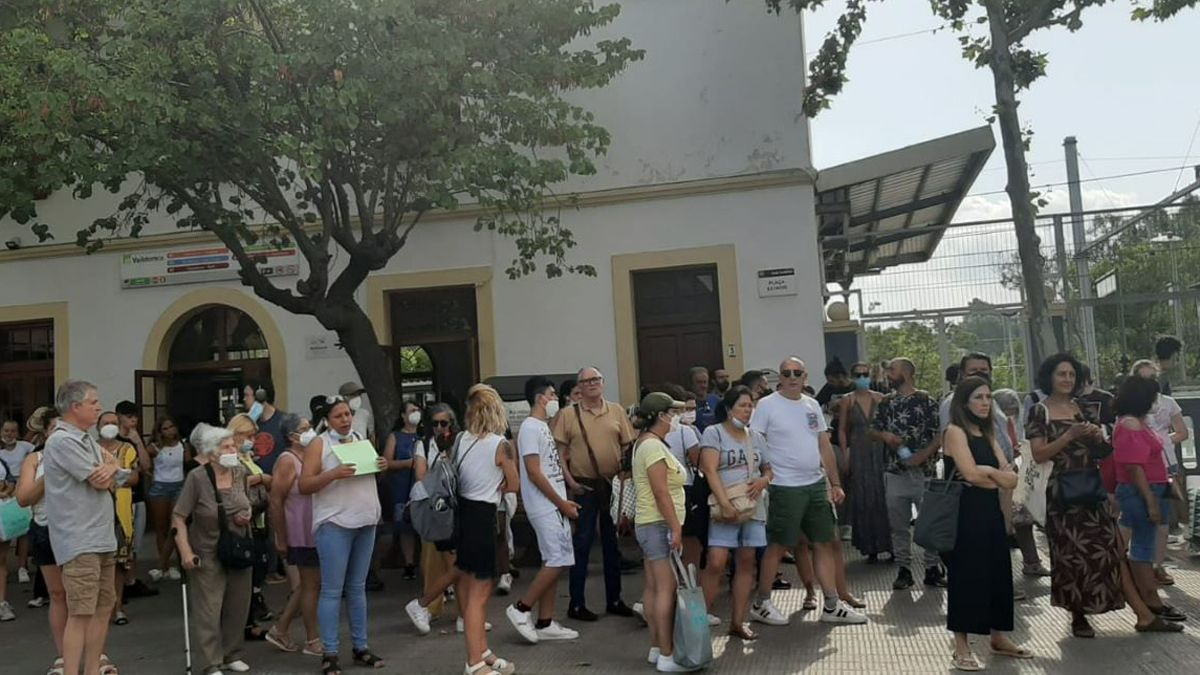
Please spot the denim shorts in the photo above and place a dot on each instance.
(655, 540)
(1143, 545)
(750, 534)
(161, 490)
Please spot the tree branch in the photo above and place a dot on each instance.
(1038, 18)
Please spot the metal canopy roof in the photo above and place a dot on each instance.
(876, 212)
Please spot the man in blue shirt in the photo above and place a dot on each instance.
(706, 402)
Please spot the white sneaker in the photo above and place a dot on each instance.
(173, 574)
(238, 666)
(843, 613)
(419, 616)
(655, 652)
(556, 631)
(6, 612)
(523, 623)
(640, 610)
(23, 575)
(714, 620)
(765, 612)
(155, 574)
(666, 664)
(505, 584)
(487, 626)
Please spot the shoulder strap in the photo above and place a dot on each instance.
(458, 461)
(212, 478)
(587, 443)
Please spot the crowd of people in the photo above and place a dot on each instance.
(721, 474)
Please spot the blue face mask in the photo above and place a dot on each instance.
(862, 383)
(255, 411)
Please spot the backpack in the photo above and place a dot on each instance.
(433, 502)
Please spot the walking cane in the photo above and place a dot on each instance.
(183, 585)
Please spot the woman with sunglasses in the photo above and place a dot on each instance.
(345, 511)
(868, 519)
(437, 560)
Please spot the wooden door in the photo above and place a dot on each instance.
(678, 313)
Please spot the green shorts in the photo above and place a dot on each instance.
(796, 511)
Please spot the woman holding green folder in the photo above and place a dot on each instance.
(345, 511)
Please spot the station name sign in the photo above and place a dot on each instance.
(195, 265)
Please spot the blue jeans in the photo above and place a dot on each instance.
(591, 510)
(345, 560)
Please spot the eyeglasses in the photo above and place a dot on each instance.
(440, 423)
(591, 381)
(863, 373)
(792, 373)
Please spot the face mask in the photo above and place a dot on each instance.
(414, 418)
(247, 446)
(738, 424)
(552, 408)
(444, 441)
(688, 417)
(862, 383)
(336, 435)
(674, 423)
(108, 432)
(308, 437)
(355, 403)
(228, 461)
(255, 411)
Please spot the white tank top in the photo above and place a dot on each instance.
(479, 478)
(39, 509)
(348, 502)
(168, 464)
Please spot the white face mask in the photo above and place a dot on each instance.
(738, 424)
(414, 418)
(109, 432)
(355, 403)
(228, 461)
(688, 417)
(674, 423)
(552, 407)
(307, 437)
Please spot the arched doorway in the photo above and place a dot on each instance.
(204, 355)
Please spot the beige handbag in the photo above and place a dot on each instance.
(744, 506)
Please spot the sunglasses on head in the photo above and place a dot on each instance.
(792, 373)
(440, 423)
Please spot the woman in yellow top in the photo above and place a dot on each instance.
(258, 486)
(658, 522)
(126, 456)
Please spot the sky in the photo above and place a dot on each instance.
(1127, 90)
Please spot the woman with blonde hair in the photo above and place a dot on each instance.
(258, 486)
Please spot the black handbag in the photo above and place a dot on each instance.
(1081, 487)
(234, 551)
(937, 521)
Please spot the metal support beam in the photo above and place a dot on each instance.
(1087, 321)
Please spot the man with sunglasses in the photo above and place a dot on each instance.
(595, 437)
(803, 490)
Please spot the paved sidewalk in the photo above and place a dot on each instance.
(906, 635)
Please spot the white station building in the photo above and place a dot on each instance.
(713, 236)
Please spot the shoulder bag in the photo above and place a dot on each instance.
(601, 485)
(1079, 487)
(937, 521)
(744, 506)
(234, 551)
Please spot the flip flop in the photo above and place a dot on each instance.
(966, 663)
(1159, 625)
(809, 604)
(1013, 652)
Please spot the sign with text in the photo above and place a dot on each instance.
(776, 282)
(324, 346)
(200, 264)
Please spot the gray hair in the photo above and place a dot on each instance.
(1008, 400)
(290, 424)
(444, 408)
(696, 370)
(207, 439)
(72, 392)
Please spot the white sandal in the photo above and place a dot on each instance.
(58, 668)
(481, 668)
(498, 664)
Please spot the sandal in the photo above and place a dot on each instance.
(743, 631)
(57, 668)
(966, 662)
(330, 665)
(481, 668)
(499, 665)
(314, 647)
(1082, 629)
(1012, 652)
(364, 657)
(121, 619)
(1163, 578)
(1169, 613)
(1159, 625)
(810, 603)
(106, 666)
(281, 641)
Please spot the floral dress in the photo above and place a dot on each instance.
(1085, 547)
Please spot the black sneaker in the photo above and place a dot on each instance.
(780, 584)
(374, 583)
(904, 579)
(619, 608)
(934, 577)
(582, 614)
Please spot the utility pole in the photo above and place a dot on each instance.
(1082, 265)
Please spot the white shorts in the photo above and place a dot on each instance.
(554, 539)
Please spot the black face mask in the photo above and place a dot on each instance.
(722, 387)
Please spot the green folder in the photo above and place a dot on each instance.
(361, 454)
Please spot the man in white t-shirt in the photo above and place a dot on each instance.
(800, 500)
(544, 490)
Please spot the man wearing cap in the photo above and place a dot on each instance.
(594, 436)
(803, 490)
(363, 423)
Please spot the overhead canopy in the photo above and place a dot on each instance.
(885, 210)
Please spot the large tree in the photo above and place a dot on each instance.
(993, 35)
(322, 124)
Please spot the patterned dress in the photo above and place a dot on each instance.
(870, 532)
(1085, 547)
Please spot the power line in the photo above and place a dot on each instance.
(1189, 151)
(888, 38)
(1093, 173)
(1085, 180)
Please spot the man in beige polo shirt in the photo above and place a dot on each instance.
(594, 436)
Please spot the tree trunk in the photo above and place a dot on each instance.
(1041, 332)
(357, 335)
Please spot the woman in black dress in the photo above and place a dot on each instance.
(980, 597)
